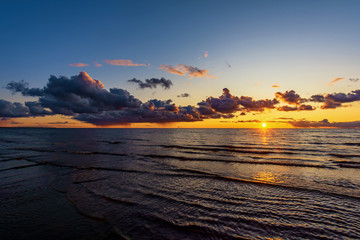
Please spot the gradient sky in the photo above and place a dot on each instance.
(311, 47)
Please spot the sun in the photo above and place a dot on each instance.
(263, 125)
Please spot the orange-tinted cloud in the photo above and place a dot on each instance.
(290, 97)
(275, 86)
(206, 54)
(97, 64)
(335, 100)
(78, 64)
(122, 62)
(335, 80)
(182, 69)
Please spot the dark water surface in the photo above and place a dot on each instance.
(179, 184)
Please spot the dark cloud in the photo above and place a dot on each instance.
(12, 110)
(325, 124)
(35, 109)
(354, 79)
(23, 88)
(302, 107)
(290, 97)
(184, 95)
(336, 99)
(228, 103)
(142, 115)
(152, 83)
(82, 94)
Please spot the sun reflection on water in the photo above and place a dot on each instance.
(267, 177)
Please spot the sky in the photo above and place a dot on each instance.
(180, 64)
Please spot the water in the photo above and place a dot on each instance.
(179, 183)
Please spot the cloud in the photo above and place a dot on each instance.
(85, 99)
(335, 100)
(96, 64)
(23, 88)
(152, 83)
(121, 62)
(182, 69)
(290, 97)
(228, 103)
(12, 110)
(183, 95)
(78, 65)
(206, 54)
(324, 124)
(354, 79)
(78, 94)
(302, 107)
(168, 113)
(335, 80)
(35, 109)
(60, 123)
(275, 86)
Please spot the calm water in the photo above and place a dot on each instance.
(179, 184)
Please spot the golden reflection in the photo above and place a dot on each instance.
(267, 177)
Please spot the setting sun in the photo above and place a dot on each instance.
(263, 125)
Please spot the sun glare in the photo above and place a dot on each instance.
(263, 125)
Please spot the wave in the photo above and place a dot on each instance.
(112, 142)
(344, 155)
(235, 179)
(19, 167)
(226, 150)
(71, 152)
(239, 161)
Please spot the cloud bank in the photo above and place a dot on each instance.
(85, 99)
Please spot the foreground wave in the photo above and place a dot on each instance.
(186, 184)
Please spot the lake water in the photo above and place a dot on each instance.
(179, 183)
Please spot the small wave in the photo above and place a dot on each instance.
(239, 161)
(344, 155)
(96, 153)
(112, 142)
(227, 178)
(352, 144)
(266, 148)
(226, 150)
(19, 167)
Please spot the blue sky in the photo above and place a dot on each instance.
(298, 45)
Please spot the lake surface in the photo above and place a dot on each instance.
(179, 183)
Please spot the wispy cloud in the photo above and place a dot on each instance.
(275, 86)
(78, 64)
(152, 83)
(335, 80)
(184, 95)
(122, 62)
(182, 69)
(206, 54)
(96, 64)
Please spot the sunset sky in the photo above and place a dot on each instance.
(207, 63)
